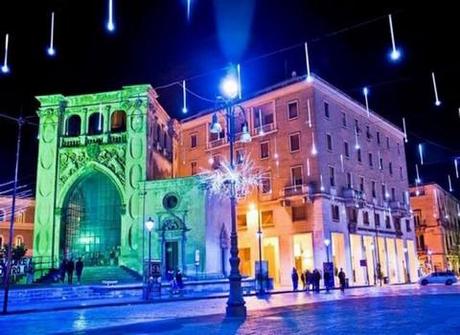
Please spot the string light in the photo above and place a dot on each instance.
(184, 97)
(405, 130)
(437, 101)
(321, 182)
(341, 162)
(308, 167)
(417, 180)
(189, 9)
(51, 51)
(309, 112)
(314, 151)
(110, 24)
(456, 167)
(366, 92)
(450, 183)
(356, 140)
(307, 61)
(238, 74)
(395, 53)
(5, 68)
(420, 152)
(261, 126)
(458, 209)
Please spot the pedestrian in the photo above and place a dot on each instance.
(62, 270)
(179, 280)
(327, 277)
(70, 269)
(79, 269)
(302, 278)
(342, 280)
(316, 277)
(295, 279)
(308, 279)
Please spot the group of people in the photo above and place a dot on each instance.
(311, 280)
(68, 266)
(175, 279)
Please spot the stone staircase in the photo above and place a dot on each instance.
(96, 275)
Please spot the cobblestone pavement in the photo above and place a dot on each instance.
(387, 310)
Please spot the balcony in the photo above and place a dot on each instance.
(398, 209)
(294, 190)
(266, 128)
(354, 197)
(70, 142)
(117, 138)
(217, 143)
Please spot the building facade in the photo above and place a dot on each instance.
(335, 172)
(106, 164)
(23, 222)
(437, 223)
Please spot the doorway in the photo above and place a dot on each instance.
(172, 255)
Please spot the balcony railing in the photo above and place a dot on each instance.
(117, 138)
(354, 197)
(216, 143)
(398, 208)
(70, 142)
(293, 190)
(264, 129)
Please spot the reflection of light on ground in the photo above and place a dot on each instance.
(80, 322)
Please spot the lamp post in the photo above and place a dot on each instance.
(149, 226)
(230, 88)
(405, 267)
(260, 278)
(430, 254)
(327, 242)
(375, 258)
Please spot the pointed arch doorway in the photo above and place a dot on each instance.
(91, 221)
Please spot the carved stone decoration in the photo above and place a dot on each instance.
(49, 129)
(172, 224)
(112, 158)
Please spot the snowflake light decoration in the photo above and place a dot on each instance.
(244, 174)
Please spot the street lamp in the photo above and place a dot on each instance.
(229, 89)
(327, 242)
(149, 226)
(406, 266)
(255, 211)
(375, 258)
(430, 254)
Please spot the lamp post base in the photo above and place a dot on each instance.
(236, 311)
(235, 304)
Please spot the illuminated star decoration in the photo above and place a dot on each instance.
(245, 175)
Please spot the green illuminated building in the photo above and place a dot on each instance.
(106, 164)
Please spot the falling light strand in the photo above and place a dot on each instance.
(405, 130)
(321, 182)
(308, 167)
(51, 50)
(309, 113)
(420, 152)
(435, 88)
(5, 68)
(110, 24)
(184, 97)
(189, 9)
(314, 151)
(450, 183)
(417, 180)
(366, 92)
(238, 74)
(456, 168)
(307, 61)
(341, 163)
(395, 54)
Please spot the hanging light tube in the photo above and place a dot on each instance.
(51, 50)
(307, 61)
(366, 92)
(450, 183)
(435, 88)
(420, 152)
(110, 24)
(5, 68)
(184, 97)
(405, 129)
(395, 53)
(456, 167)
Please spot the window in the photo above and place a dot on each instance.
(368, 133)
(366, 218)
(421, 242)
(346, 149)
(401, 173)
(296, 175)
(263, 115)
(374, 193)
(266, 184)
(216, 136)
(294, 142)
(359, 155)
(118, 122)
(95, 124)
(193, 141)
(193, 168)
(387, 222)
(344, 119)
(165, 139)
(264, 150)
(216, 162)
(384, 191)
(377, 220)
(356, 126)
(19, 240)
(388, 143)
(378, 137)
(349, 180)
(335, 212)
(371, 161)
(361, 184)
(390, 168)
(158, 134)
(239, 156)
(2, 215)
(393, 194)
(399, 149)
(292, 110)
(73, 126)
(299, 213)
(267, 219)
(408, 228)
(241, 221)
(353, 215)
(326, 110)
(331, 176)
(381, 163)
(329, 142)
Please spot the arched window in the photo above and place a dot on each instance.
(19, 240)
(2, 215)
(73, 126)
(118, 122)
(95, 124)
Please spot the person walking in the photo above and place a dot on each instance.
(70, 267)
(295, 279)
(342, 280)
(308, 279)
(302, 279)
(62, 270)
(327, 277)
(179, 280)
(79, 269)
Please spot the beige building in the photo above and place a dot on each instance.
(335, 172)
(437, 224)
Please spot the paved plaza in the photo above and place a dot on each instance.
(388, 310)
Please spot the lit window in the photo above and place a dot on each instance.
(118, 122)
(266, 184)
(292, 110)
(267, 219)
(19, 240)
(264, 150)
(242, 222)
(296, 175)
(294, 142)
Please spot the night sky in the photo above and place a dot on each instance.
(154, 43)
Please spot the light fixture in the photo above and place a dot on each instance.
(5, 68)
(229, 87)
(327, 242)
(110, 24)
(245, 136)
(149, 224)
(215, 127)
